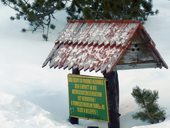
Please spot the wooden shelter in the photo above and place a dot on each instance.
(105, 46)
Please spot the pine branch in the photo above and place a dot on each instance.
(147, 100)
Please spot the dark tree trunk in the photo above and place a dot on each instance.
(112, 85)
(74, 120)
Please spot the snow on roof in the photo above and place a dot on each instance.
(94, 45)
(97, 32)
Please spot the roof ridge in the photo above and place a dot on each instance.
(104, 21)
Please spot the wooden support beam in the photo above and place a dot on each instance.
(112, 86)
(74, 120)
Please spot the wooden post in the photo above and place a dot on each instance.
(74, 120)
(112, 86)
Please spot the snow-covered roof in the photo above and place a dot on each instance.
(104, 45)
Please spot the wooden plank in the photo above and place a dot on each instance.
(74, 120)
(51, 54)
(112, 86)
(137, 66)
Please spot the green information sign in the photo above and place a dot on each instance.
(87, 97)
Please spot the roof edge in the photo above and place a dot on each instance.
(103, 21)
(154, 49)
(164, 64)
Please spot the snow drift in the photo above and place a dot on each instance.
(17, 113)
(21, 75)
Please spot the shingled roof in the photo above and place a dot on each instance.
(104, 45)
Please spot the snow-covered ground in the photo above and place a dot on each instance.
(17, 113)
(23, 82)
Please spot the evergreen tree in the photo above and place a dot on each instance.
(150, 110)
(111, 9)
(40, 13)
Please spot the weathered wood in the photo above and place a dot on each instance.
(51, 54)
(74, 120)
(136, 66)
(102, 45)
(112, 86)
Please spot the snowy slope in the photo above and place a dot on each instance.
(17, 113)
(165, 124)
(21, 75)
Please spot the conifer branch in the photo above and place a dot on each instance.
(147, 100)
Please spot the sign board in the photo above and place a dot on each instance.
(88, 97)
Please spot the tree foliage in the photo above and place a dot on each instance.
(40, 13)
(111, 9)
(150, 110)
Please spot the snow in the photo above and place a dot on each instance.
(97, 33)
(32, 97)
(17, 113)
(165, 124)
